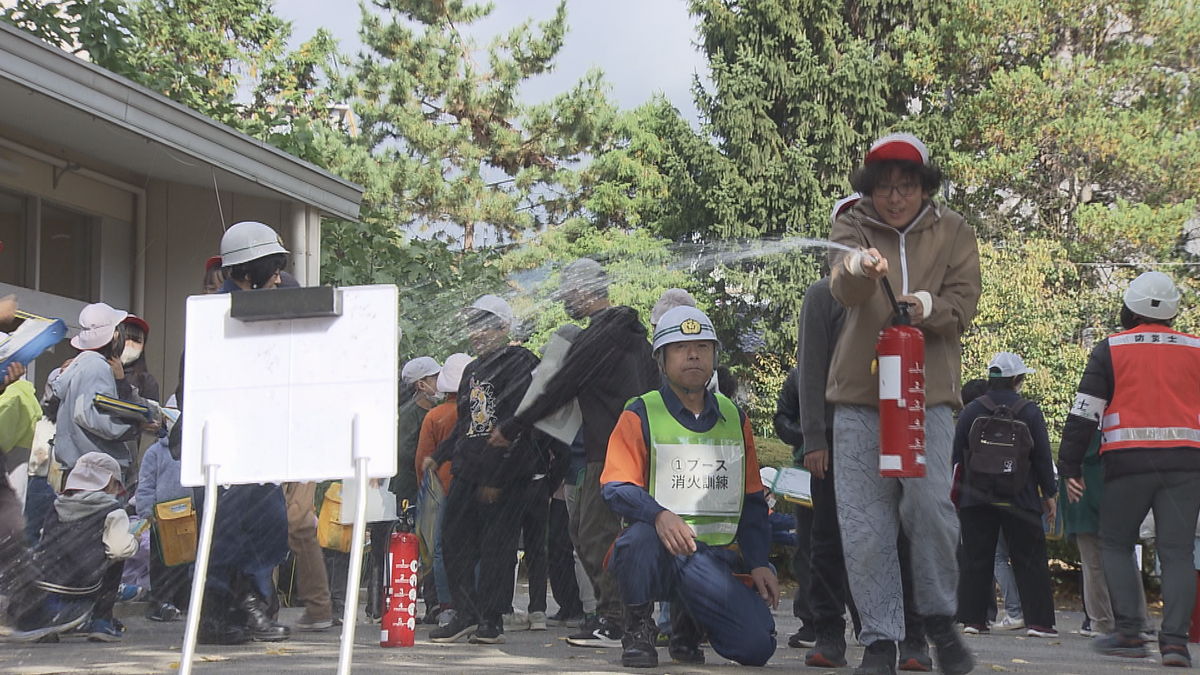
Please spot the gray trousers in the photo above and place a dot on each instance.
(1175, 499)
(1095, 588)
(1002, 570)
(871, 510)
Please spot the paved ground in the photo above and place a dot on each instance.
(154, 648)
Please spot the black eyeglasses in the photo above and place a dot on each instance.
(902, 189)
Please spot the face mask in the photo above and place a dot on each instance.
(431, 394)
(131, 353)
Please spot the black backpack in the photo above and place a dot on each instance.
(996, 464)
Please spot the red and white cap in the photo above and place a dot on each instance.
(843, 205)
(904, 147)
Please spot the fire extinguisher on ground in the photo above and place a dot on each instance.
(400, 593)
(901, 362)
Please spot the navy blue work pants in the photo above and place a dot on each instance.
(738, 623)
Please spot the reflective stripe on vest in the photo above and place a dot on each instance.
(1156, 395)
(700, 476)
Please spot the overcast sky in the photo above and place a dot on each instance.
(643, 46)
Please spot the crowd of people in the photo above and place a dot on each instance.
(619, 463)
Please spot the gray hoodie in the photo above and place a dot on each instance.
(81, 427)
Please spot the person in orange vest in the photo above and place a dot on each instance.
(1140, 388)
(681, 469)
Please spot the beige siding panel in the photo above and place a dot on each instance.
(184, 228)
(73, 191)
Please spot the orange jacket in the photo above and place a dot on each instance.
(436, 428)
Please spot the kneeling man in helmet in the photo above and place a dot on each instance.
(682, 471)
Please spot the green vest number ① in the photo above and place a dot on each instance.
(701, 477)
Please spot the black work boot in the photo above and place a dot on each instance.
(953, 657)
(638, 642)
(262, 628)
(686, 635)
(829, 650)
(215, 626)
(879, 658)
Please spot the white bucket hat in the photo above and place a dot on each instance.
(452, 372)
(419, 369)
(92, 472)
(97, 323)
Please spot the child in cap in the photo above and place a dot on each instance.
(81, 427)
(85, 541)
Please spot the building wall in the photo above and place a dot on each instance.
(184, 225)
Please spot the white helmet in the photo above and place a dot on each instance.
(249, 240)
(452, 372)
(684, 324)
(1152, 295)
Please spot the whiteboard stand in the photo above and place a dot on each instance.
(200, 575)
(278, 413)
(357, 539)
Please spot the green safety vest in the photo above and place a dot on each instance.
(701, 477)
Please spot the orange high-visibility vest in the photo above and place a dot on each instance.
(1156, 390)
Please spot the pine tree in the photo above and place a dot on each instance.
(444, 141)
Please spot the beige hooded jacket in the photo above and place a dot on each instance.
(937, 253)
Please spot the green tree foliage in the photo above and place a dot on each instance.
(1070, 132)
(439, 137)
(96, 29)
(796, 93)
(443, 141)
(227, 60)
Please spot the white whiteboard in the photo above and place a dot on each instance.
(279, 397)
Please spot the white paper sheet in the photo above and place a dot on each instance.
(563, 424)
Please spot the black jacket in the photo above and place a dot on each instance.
(608, 364)
(1041, 471)
(491, 389)
(787, 416)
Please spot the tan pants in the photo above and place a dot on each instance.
(311, 581)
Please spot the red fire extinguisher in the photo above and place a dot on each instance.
(400, 595)
(901, 362)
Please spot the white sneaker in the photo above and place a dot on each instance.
(518, 621)
(1009, 623)
(537, 621)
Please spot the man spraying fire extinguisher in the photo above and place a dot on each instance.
(902, 240)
